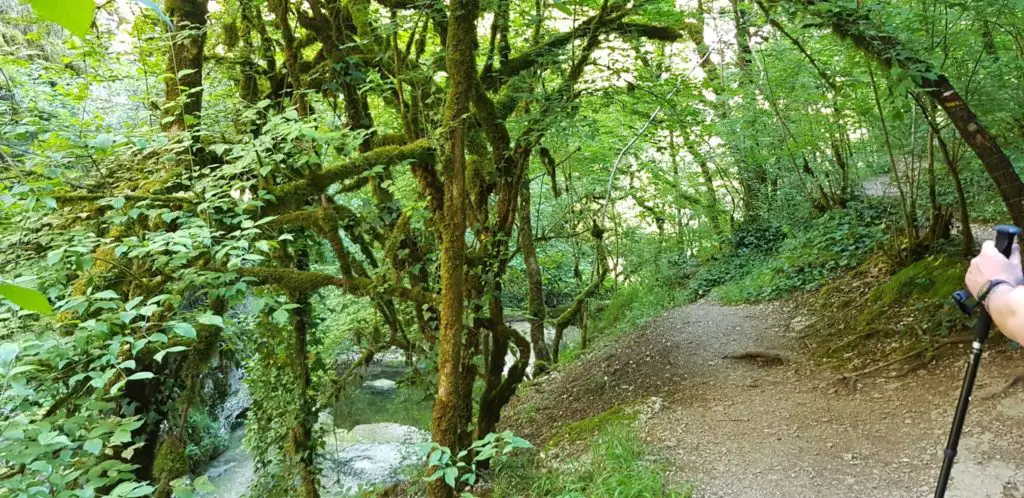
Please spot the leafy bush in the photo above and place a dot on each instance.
(808, 257)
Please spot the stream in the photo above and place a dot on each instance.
(370, 437)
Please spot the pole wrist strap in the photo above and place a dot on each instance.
(989, 286)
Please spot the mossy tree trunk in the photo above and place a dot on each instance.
(535, 296)
(448, 418)
(184, 86)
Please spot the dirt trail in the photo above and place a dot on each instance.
(739, 429)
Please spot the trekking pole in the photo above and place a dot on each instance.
(1005, 234)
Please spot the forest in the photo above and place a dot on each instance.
(500, 247)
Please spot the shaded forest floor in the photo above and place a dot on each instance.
(755, 428)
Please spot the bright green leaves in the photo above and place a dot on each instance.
(26, 299)
(184, 329)
(94, 446)
(73, 15)
(211, 319)
(76, 15)
(463, 467)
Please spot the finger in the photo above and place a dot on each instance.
(1015, 255)
(988, 247)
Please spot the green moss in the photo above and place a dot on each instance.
(931, 279)
(587, 428)
(171, 462)
(293, 195)
(295, 281)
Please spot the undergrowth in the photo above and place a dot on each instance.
(809, 256)
(882, 310)
(613, 462)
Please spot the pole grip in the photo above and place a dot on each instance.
(1005, 235)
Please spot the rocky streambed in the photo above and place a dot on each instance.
(370, 437)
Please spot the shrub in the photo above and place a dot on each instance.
(204, 439)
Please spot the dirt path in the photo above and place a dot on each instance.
(739, 429)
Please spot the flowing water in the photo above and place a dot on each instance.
(370, 436)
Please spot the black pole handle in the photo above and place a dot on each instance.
(1005, 234)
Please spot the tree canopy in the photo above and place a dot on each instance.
(268, 183)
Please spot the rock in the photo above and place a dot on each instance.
(801, 322)
(387, 432)
(370, 455)
(325, 419)
(380, 386)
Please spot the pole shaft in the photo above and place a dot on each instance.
(981, 330)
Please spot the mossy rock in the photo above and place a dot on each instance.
(171, 461)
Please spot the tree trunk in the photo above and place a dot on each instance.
(301, 438)
(966, 237)
(908, 217)
(183, 89)
(448, 418)
(535, 297)
(599, 274)
(933, 200)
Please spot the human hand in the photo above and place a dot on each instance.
(990, 264)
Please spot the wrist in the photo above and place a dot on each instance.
(992, 286)
(997, 296)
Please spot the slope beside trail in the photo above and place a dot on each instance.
(746, 428)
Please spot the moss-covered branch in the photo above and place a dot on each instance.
(299, 282)
(294, 195)
(161, 199)
(612, 23)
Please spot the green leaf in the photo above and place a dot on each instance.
(280, 316)
(74, 15)
(159, 356)
(143, 490)
(8, 352)
(141, 376)
(25, 298)
(203, 484)
(450, 474)
(184, 329)
(107, 294)
(210, 319)
(102, 142)
(94, 446)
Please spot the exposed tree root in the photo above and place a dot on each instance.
(1014, 382)
(854, 338)
(762, 356)
(928, 350)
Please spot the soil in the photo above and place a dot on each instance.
(781, 425)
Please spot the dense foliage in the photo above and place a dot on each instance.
(297, 188)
